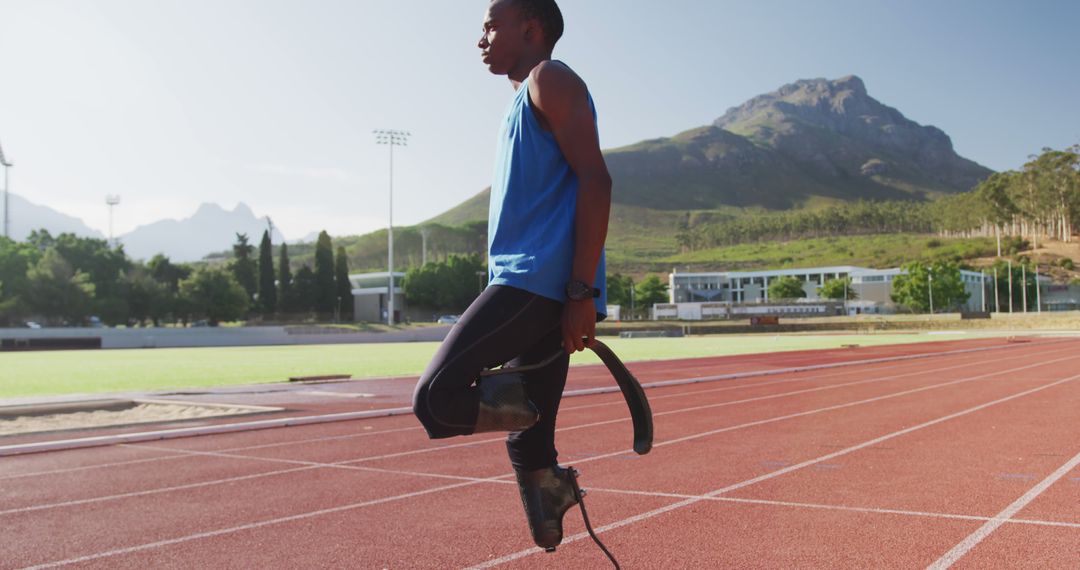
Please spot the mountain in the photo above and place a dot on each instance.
(26, 217)
(836, 131)
(810, 143)
(210, 229)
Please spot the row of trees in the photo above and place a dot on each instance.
(919, 288)
(789, 287)
(1041, 200)
(636, 298)
(277, 293)
(859, 218)
(70, 280)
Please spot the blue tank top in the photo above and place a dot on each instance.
(531, 215)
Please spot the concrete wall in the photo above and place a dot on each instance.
(217, 336)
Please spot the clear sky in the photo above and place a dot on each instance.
(170, 103)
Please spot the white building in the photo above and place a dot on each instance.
(872, 287)
(371, 296)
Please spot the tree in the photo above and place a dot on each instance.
(451, 285)
(304, 290)
(344, 286)
(216, 295)
(286, 294)
(837, 289)
(147, 298)
(325, 289)
(786, 287)
(15, 260)
(618, 289)
(165, 272)
(912, 288)
(267, 289)
(169, 276)
(243, 266)
(58, 291)
(651, 291)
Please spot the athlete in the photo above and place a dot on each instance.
(548, 217)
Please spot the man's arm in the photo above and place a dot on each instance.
(562, 101)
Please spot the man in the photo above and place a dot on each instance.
(550, 199)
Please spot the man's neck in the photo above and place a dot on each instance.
(525, 66)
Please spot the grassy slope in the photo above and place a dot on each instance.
(70, 372)
(878, 251)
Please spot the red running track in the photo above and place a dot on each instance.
(967, 460)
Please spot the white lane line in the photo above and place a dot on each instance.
(730, 403)
(468, 444)
(156, 491)
(322, 439)
(793, 504)
(100, 441)
(819, 410)
(250, 526)
(742, 484)
(574, 538)
(965, 546)
(181, 454)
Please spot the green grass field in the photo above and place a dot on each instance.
(71, 372)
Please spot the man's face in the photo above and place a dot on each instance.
(504, 39)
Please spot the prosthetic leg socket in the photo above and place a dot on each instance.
(504, 405)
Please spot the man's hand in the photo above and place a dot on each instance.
(578, 325)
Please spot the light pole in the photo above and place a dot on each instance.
(1038, 291)
(997, 294)
(931, 277)
(982, 289)
(1023, 279)
(1010, 288)
(423, 247)
(391, 138)
(7, 203)
(111, 200)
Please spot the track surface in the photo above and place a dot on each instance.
(968, 460)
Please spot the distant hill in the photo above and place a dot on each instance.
(210, 229)
(838, 134)
(27, 217)
(808, 144)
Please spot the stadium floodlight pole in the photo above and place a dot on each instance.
(391, 138)
(111, 200)
(982, 290)
(7, 186)
(1038, 291)
(1010, 288)
(1023, 287)
(930, 275)
(997, 295)
(423, 247)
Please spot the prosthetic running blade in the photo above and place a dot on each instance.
(640, 412)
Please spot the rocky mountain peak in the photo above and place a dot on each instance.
(837, 127)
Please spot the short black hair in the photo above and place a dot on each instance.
(549, 15)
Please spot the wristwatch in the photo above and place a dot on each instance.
(581, 291)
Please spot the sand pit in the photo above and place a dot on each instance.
(111, 413)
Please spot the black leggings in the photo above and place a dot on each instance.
(508, 326)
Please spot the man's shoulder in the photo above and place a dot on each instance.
(555, 75)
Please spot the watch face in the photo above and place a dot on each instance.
(578, 291)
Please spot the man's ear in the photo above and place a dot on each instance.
(531, 30)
